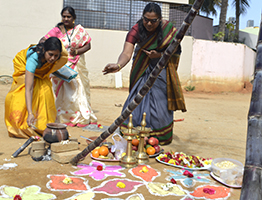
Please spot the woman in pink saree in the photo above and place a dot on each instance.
(73, 98)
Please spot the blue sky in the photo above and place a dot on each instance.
(253, 13)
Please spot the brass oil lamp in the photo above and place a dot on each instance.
(129, 160)
(141, 155)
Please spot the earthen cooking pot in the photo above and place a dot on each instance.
(55, 132)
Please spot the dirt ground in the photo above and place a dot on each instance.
(215, 125)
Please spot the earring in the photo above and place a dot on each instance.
(73, 21)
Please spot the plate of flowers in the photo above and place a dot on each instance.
(184, 161)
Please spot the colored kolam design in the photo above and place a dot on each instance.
(184, 161)
(187, 198)
(165, 189)
(144, 172)
(132, 197)
(67, 183)
(28, 193)
(7, 166)
(117, 187)
(211, 192)
(188, 178)
(89, 195)
(99, 171)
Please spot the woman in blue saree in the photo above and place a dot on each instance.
(152, 35)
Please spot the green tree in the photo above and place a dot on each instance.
(241, 8)
(231, 35)
(209, 6)
(219, 36)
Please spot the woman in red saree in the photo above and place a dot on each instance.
(73, 98)
(152, 35)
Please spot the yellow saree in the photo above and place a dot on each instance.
(43, 104)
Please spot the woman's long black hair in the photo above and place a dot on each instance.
(70, 10)
(151, 7)
(52, 43)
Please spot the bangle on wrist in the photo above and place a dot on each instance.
(119, 67)
(76, 51)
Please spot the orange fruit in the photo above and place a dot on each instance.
(103, 150)
(135, 142)
(150, 151)
(95, 153)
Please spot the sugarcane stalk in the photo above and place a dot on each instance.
(147, 86)
(252, 178)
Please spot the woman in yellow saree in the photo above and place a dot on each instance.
(30, 101)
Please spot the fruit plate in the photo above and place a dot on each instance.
(104, 160)
(206, 167)
(222, 182)
(156, 154)
(116, 160)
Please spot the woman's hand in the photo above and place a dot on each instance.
(152, 53)
(30, 119)
(111, 68)
(29, 87)
(73, 51)
(79, 51)
(123, 59)
(42, 40)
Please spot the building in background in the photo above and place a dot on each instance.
(250, 23)
(249, 36)
(231, 20)
(123, 14)
(206, 64)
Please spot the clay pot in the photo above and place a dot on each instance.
(55, 132)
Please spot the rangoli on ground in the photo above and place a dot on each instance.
(144, 172)
(132, 197)
(67, 183)
(186, 180)
(99, 171)
(117, 187)
(159, 189)
(28, 193)
(211, 192)
(87, 195)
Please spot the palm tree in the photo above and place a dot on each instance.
(223, 16)
(208, 6)
(241, 8)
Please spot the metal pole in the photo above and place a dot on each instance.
(130, 13)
